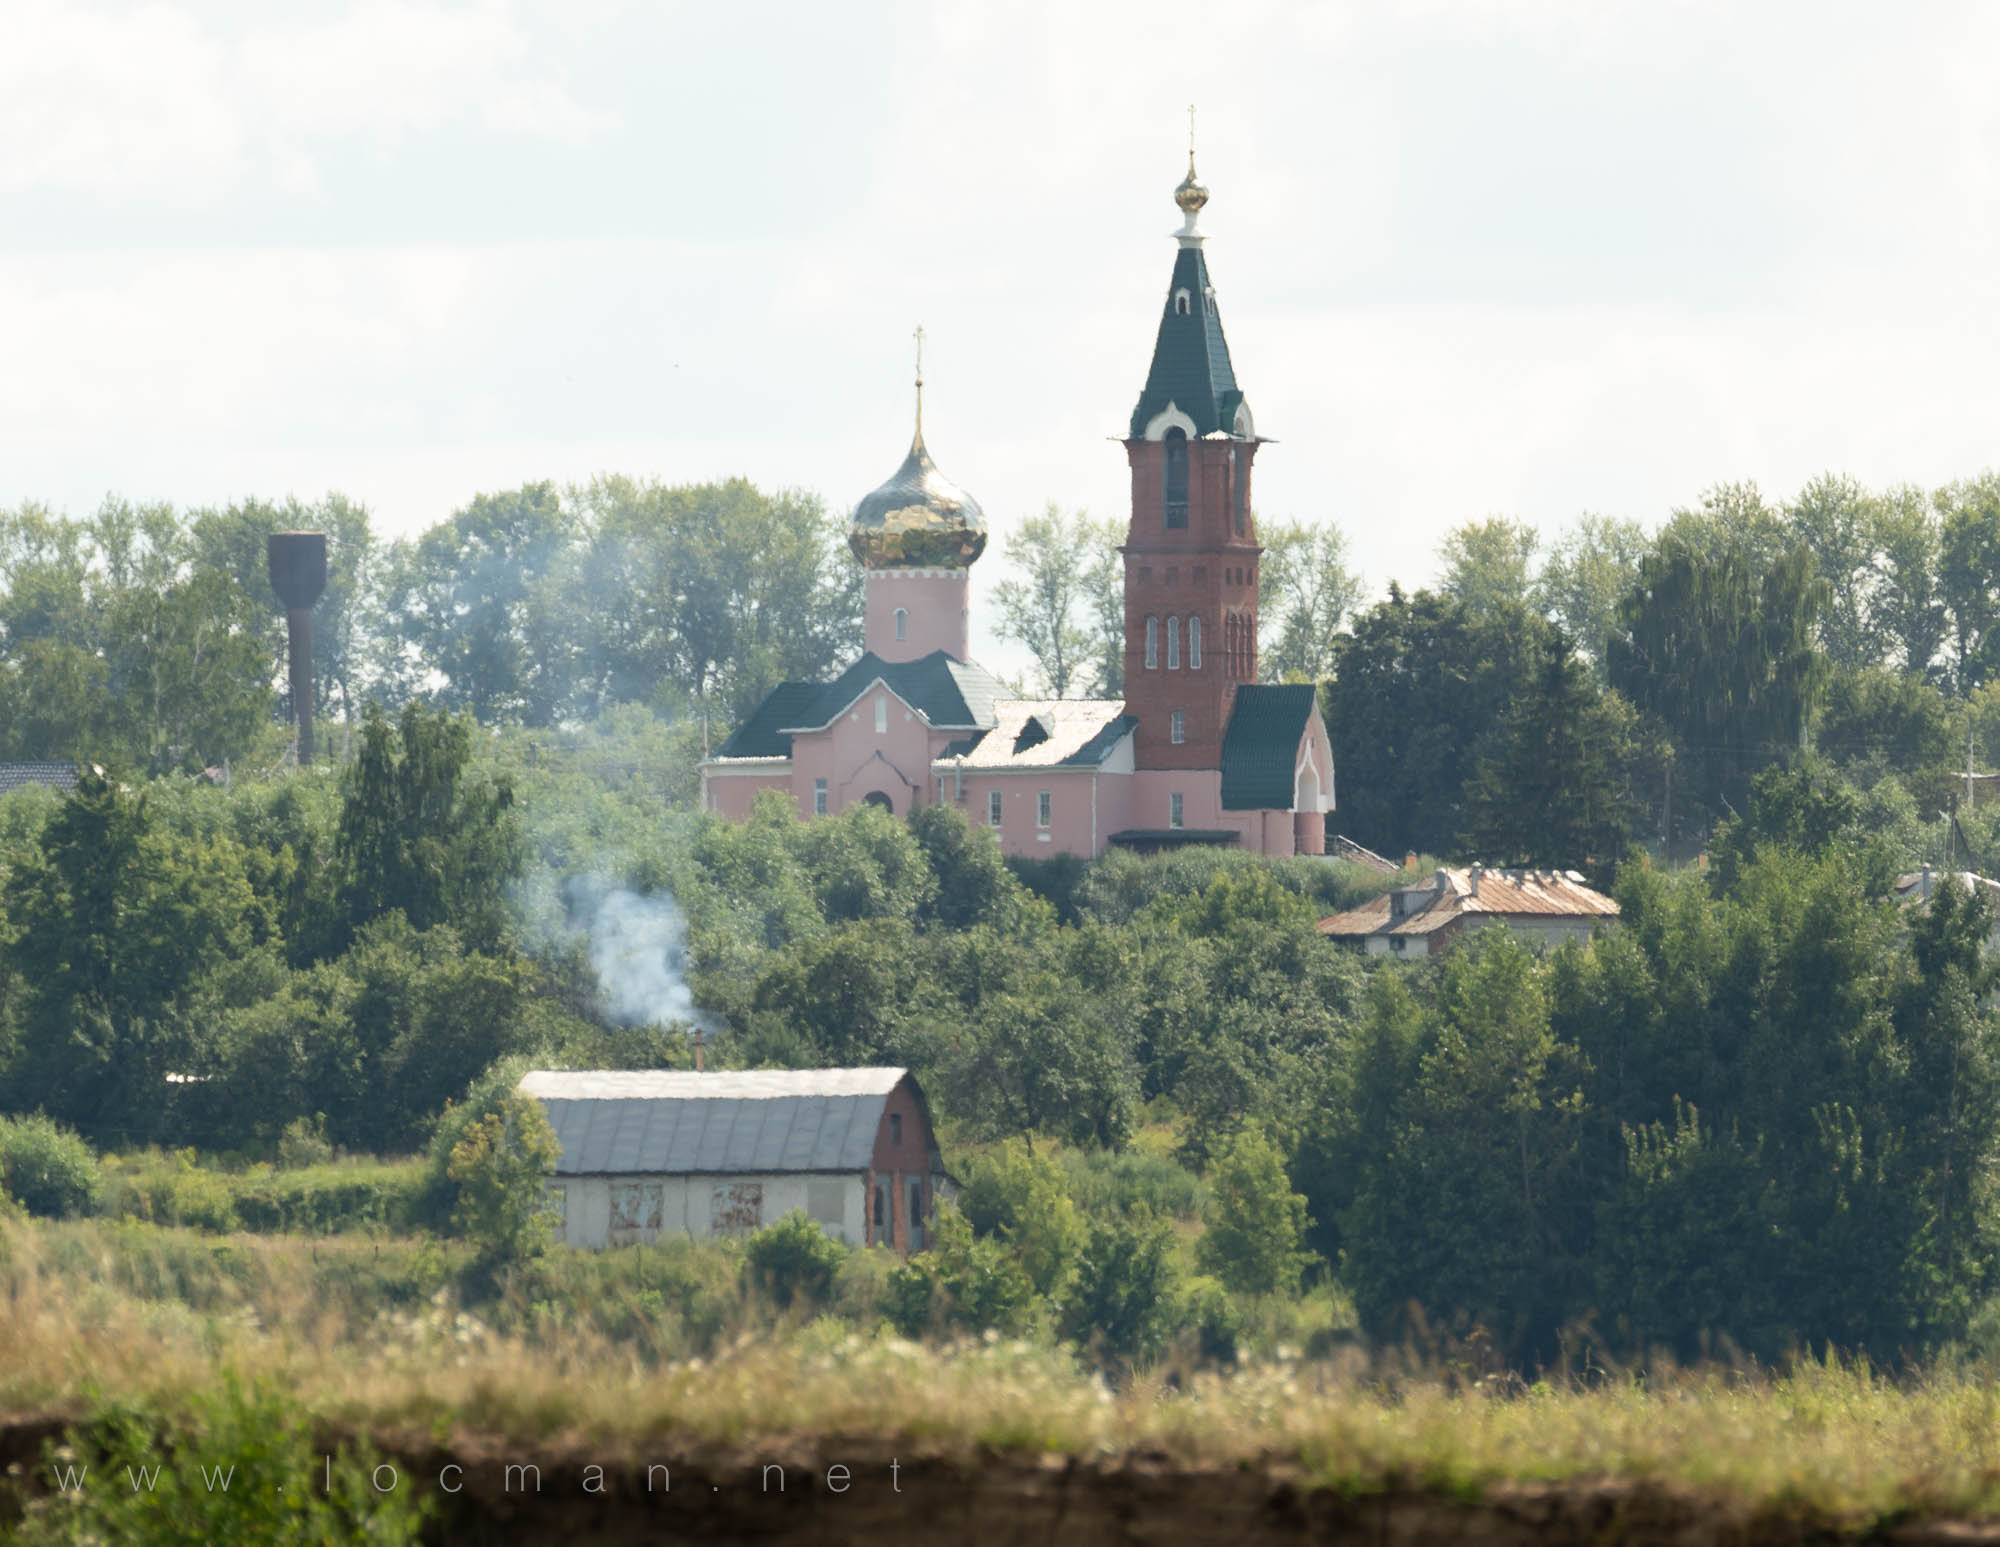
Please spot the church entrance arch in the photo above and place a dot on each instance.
(877, 798)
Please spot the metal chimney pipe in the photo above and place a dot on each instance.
(298, 574)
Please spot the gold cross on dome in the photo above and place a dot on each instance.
(919, 337)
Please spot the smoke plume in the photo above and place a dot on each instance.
(638, 947)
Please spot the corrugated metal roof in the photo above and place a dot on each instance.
(15, 776)
(1502, 894)
(1078, 732)
(673, 1121)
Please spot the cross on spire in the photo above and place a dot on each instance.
(919, 337)
(1190, 139)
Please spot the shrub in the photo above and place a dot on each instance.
(1127, 1288)
(498, 1167)
(793, 1259)
(963, 1283)
(49, 1170)
(327, 1199)
(1024, 1199)
(1254, 1219)
(1209, 1320)
(304, 1143)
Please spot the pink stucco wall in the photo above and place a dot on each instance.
(1072, 829)
(934, 602)
(733, 794)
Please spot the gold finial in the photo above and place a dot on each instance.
(1190, 196)
(919, 337)
(1190, 139)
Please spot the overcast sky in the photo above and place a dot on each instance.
(1522, 257)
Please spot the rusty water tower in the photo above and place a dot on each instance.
(298, 575)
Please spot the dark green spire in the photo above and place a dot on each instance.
(1191, 369)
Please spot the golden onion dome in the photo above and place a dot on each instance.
(919, 519)
(1190, 195)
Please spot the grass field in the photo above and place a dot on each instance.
(363, 1337)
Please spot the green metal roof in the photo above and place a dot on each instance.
(1191, 366)
(763, 734)
(944, 689)
(1261, 747)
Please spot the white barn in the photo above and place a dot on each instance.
(648, 1153)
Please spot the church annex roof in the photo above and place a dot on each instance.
(1191, 368)
(763, 734)
(946, 691)
(1073, 733)
(1260, 750)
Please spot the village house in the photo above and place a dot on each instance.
(648, 1153)
(1549, 906)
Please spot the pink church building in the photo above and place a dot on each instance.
(1196, 752)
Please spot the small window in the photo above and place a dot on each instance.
(993, 804)
(1174, 810)
(1173, 644)
(916, 1212)
(881, 1212)
(1041, 808)
(1177, 726)
(902, 623)
(1152, 644)
(895, 1127)
(1183, 304)
(819, 797)
(1194, 644)
(881, 713)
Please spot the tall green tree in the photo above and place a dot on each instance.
(1839, 522)
(1044, 601)
(1489, 565)
(1969, 578)
(1909, 598)
(1589, 570)
(1305, 590)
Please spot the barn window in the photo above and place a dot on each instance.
(895, 1127)
(736, 1207)
(1152, 644)
(916, 1214)
(881, 1213)
(1177, 477)
(826, 1202)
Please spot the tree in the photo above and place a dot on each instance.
(1418, 682)
(1836, 520)
(1909, 601)
(190, 672)
(1104, 606)
(475, 598)
(1552, 783)
(1127, 1288)
(704, 597)
(1969, 577)
(1722, 653)
(1305, 590)
(1488, 564)
(1022, 1197)
(1586, 575)
(1254, 1220)
(499, 1166)
(974, 885)
(420, 834)
(1730, 516)
(1049, 561)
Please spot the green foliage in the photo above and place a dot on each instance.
(498, 1166)
(304, 1142)
(241, 1464)
(1023, 1199)
(793, 1261)
(1043, 600)
(1488, 565)
(1255, 1221)
(47, 1169)
(1305, 591)
(963, 1282)
(1128, 1289)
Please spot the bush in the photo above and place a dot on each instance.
(498, 1167)
(49, 1170)
(962, 1283)
(304, 1143)
(327, 1199)
(793, 1259)
(1128, 1288)
(1023, 1198)
(1255, 1221)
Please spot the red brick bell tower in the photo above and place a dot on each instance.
(1191, 552)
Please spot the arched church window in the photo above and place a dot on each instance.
(1177, 477)
(1194, 644)
(1183, 306)
(1241, 490)
(1152, 644)
(902, 623)
(1173, 644)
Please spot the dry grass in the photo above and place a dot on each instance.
(1833, 1440)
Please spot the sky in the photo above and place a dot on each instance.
(1474, 257)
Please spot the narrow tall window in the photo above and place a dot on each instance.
(1152, 644)
(992, 808)
(1173, 644)
(895, 1127)
(1194, 644)
(1177, 477)
(1174, 812)
(1177, 726)
(1041, 808)
(881, 713)
(819, 797)
(1242, 490)
(902, 623)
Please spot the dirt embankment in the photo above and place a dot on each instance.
(863, 1494)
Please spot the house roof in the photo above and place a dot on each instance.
(1449, 897)
(680, 1122)
(15, 776)
(1260, 750)
(1918, 885)
(943, 689)
(1191, 368)
(763, 734)
(1045, 733)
